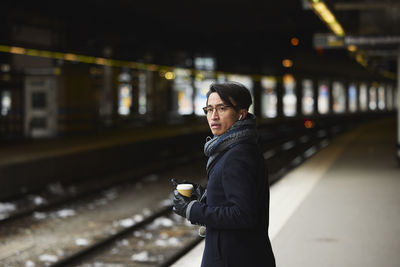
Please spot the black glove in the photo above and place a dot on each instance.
(180, 203)
(198, 192)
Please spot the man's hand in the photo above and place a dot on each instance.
(181, 203)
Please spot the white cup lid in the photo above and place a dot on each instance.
(184, 187)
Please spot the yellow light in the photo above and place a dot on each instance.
(44, 53)
(169, 75)
(324, 12)
(4, 48)
(294, 41)
(85, 59)
(337, 29)
(17, 50)
(199, 76)
(326, 15)
(288, 78)
(32, 52)
(58, 55)
(100, 61)
(70, 57)
(352, 48)
(287, 63)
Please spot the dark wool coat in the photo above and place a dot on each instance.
(236, 211)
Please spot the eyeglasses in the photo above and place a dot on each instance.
(219, 108)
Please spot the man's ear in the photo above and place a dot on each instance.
(243, 114)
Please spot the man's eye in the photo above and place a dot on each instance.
(210, 110)
(221, 108)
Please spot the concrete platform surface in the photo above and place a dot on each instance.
(339, 208)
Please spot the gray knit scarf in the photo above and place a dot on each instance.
(243, 130)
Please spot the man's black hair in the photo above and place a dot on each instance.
(232, 90)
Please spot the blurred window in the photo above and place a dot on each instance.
(183, 91)
(363, 97)
(323, 97)
(289, 95)
(202, 86)
(268, 97)
(352, 94)
(308, 97)
(372, 98)
(204, 63)
(202, 81)
(5, 103)
(381, 97)
(142, 97)
(338, 97)
(124, 99)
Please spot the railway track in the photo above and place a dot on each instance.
(158, 240)
(55, 195)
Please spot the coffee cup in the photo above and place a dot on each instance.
(185, 189)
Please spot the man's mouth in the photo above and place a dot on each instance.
(215, 125)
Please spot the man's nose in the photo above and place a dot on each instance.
(214, 114)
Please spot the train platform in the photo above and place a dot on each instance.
(340, 207)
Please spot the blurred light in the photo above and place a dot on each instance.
(125, 99)
(352, 48)
(70, 57)
(5, 67)
(4, 48)
(360, 58)
(294, 41)
(337, 28)
(309, 123)
(288, 78)
(326, 15)
(58, 55)
(5, 102)
(100, 61)
(85, 59)
(389, 75)
(31, 52)
(44, 53)
(199, 76)
(17, 50)
(169, 75)
(287, 63)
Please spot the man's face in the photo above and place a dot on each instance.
(221, 119)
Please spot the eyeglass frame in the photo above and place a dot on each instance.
(205, 109)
